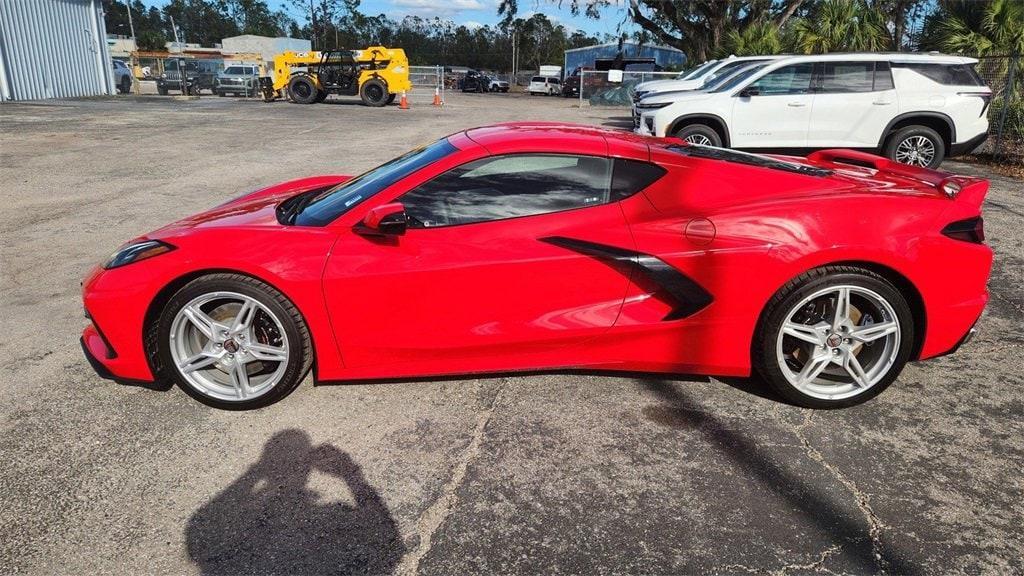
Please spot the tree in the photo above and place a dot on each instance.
(760, 37)
(255, 17)
(976, 28)
(204, 22)
(841, 25)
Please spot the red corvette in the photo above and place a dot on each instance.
(540, 246)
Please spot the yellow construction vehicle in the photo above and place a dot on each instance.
(377, 74)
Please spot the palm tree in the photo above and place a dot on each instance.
(761, 37)
(841, 25)
(977, 28)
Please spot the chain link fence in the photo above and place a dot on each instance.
(1005, 143)
(608, 88)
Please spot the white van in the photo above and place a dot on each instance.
(545, 85)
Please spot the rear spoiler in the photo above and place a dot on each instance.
(949, 184)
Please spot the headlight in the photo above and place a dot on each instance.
(651, 105)
(163, 76)
(136, 251)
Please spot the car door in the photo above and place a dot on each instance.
(773, 111)
(480, 275)
(853, 103)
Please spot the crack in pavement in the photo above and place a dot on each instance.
(431, 520)
(813, 566)
(863, 501)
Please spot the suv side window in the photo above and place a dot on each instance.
(883, 77)
(845, 77)
(793, 79)
(509, 186)
(948, 74)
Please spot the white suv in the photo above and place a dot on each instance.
(700, 77)
(545, 85)
(913, 108)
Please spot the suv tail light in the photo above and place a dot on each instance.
(969, 230)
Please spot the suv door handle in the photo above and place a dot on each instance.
(796, 104)
(877, 103)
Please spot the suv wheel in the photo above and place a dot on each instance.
(701, 134)
(917, 146)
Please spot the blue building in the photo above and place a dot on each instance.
(628, 56)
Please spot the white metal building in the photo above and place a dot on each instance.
(53, 49)
(265, 46)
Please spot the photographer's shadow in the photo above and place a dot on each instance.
(269, 521)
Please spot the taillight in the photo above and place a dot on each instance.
(969, 230)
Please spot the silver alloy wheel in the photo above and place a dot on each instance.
(698, 139)
(229, 346)
(916, 151)
(838, 342)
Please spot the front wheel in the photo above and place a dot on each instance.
(700, 134)
(374, 92)
(231, 341)
(302, 89)
(834, 337)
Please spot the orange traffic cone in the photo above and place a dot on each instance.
(437, 97)
(403, 103)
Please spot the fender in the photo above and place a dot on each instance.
(725, 127)
(906, 115)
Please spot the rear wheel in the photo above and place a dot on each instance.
(302, 89)
(834, 337)
(231, 341)
(126, 85)
(917, 146)
(700, 134)
(374, 92)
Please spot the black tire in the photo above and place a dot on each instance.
(302, 89)
(374, 92)
(764, 354)
(126, 85)
(699, 132)
(222, 94)
(296, 333)
(908, 135)
(161, 90)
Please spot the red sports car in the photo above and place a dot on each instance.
(538, 246)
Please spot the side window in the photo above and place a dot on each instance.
(632, 176)
(846, 77)
(883, 77)
(947, 74)
(509, 186)
(795, 79)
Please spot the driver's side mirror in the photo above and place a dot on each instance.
(384, 220)
(750, 91)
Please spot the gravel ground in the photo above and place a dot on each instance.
(553, 473)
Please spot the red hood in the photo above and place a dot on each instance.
(253, 209)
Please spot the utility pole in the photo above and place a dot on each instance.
(131, 56)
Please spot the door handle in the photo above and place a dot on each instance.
(876, 103)
(796, 104)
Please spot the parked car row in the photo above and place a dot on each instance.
(913, 108)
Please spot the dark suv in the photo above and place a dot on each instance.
(199, 75)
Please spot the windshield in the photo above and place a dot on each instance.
(236, 70)
(323, 208)
(734, 79)
(729, 69)
(537, 79)
(696, 72)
